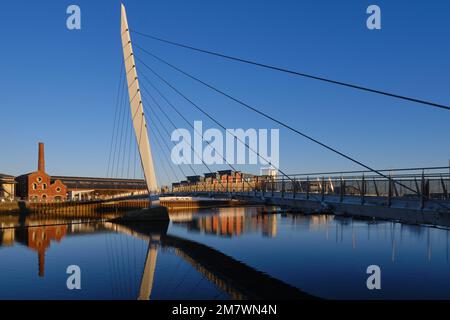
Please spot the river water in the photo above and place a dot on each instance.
(217, 253)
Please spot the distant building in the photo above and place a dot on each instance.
(225, 175)
(269, 172)
(194, 179)
(232, 176)
(216, 180)
(7, 186)
(211, 177)
(88, 188)
(38, 186)
(175, 185)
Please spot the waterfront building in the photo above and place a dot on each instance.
(211, 177)
(38, 186)
(223, 178)
(269, 172)
(91, 188)
(194, 179)
(7, 187)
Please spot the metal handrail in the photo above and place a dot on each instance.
(430, 186)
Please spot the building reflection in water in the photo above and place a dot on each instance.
(39, 238)
(7, 236)
(393, 232)
(225, 222)
(229, 222)
(35, 238)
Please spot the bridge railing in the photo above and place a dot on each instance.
(420, 184)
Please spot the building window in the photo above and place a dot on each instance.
(58, 189)
(44, 197)
(44, 186)
(34, 186)
(39, 179)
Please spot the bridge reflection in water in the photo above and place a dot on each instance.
(148, 262)
(236, 279)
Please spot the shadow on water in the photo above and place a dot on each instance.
(237, 279)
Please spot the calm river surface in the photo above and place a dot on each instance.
(320, 255)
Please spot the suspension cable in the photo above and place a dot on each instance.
(270, 118)
(296, 73)
(190, 145)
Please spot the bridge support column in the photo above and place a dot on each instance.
(264, 190)
(136, 106)
(322, 187)
(294, 191)
(376, 188)
(422, 191)
(444, 189)
(341, 190)
(363, 189)
(307, 188)
(273, 187)
(389, 199)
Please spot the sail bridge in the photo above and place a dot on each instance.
(136, 107)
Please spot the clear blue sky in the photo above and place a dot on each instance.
(59, 86)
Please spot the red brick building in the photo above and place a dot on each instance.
(38, 186)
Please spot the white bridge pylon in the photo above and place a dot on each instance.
(143, 142)
(136, 106)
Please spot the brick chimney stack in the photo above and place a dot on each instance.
(41, 159)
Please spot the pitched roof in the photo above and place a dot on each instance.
(6, 176)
